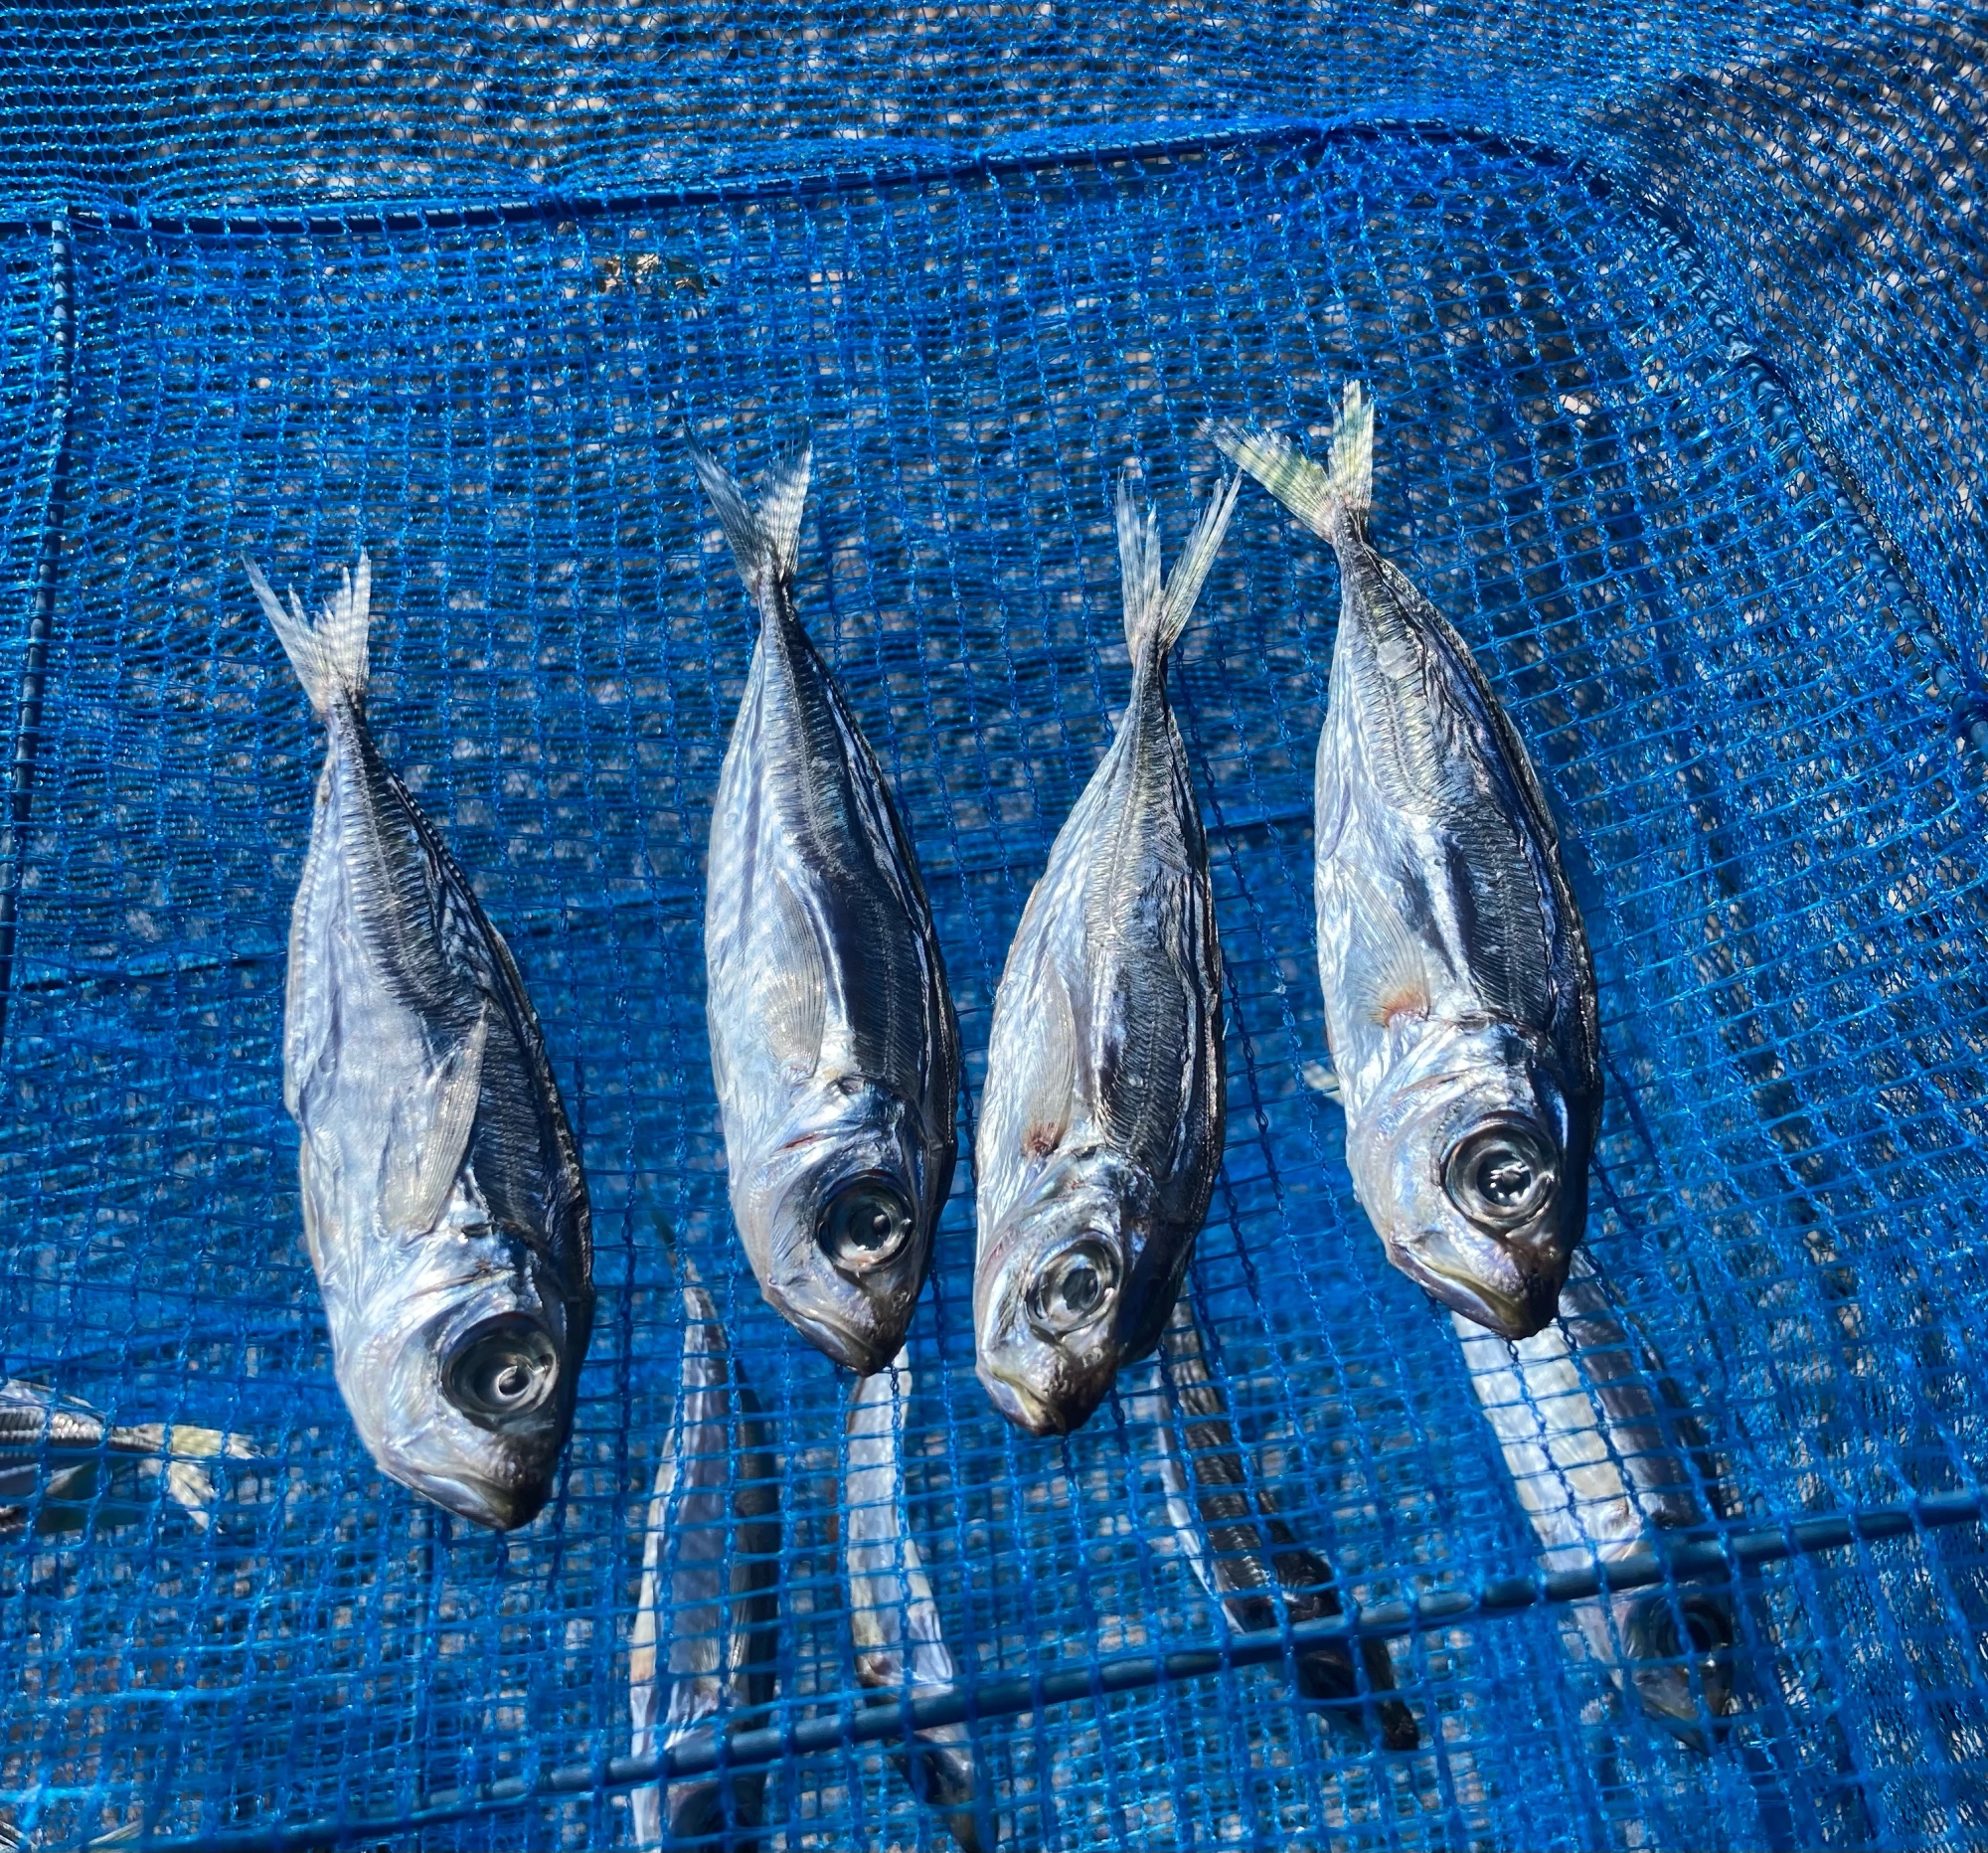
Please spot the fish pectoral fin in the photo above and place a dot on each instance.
(792, 990)
(1321, 1079)
(422, 1162)
(1388, 977)
(1048, 1094)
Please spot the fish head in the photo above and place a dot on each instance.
(838, 1224)
(460, 1374)
(1473, 1168)
(1059, 1299)
(1680, 1648)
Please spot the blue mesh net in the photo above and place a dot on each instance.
(1672, 324)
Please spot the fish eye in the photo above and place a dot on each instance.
(1502, 1174)
(500, 1372)
(1074, 1289)
(1709, 1626)
(865, 1224)
(1653, 1629)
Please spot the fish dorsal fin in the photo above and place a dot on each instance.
(1049, 1094)
(792, 987)
(421, 1171)
(1389, 979)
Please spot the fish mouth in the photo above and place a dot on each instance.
(497, 1508)
(1025, 1409)
(865, 1353)
(1669, 1701)
(1511, 1316)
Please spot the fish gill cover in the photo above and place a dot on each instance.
(1671, 321)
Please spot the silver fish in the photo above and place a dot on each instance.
(1459, 994)
(1598, 1474)
(707, 1627)
(64, 1448)
(1102, 1123)
(1241, 1551)
(443, 1202)
(833, 1044)
(892, 1614)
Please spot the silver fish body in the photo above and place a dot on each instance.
(1241, 1551)
(707, 1624)
(1459, 992)
(834, 1048)
(900, 1648)
(85, 1468)
(1102, 1118)
(1599, 1472)
(444, 1206)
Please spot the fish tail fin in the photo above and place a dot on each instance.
(329, 656)
(177, 1451)
(699, 1307)
(1319, 495)
(667, 1237)
(1156, 608)
(765, 540)
(681, 1264)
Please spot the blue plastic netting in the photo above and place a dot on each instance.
(1674, 320)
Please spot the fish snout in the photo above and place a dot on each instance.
(860, 1330)
(1665, 1697)
(1681, 1650)
(1023, 1407)
(488, 1503)
(1509, 1283)
(1539, 1274)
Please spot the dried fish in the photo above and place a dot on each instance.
(1459, 994)
(898, 1647)
(1241, 1551)
(444, 1206)
(1602, 1467)
(86, 1467)
(1101, 1124)
(833, 1044)
(707, 1626)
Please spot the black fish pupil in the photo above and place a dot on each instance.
(1081, 1288)
(1505, 1177)
(865, 1224)
(872, 1232)
(512, 1381)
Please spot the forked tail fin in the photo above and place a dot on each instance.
(176, 1450)
(1156, 609)
(765, 540)
(330, 655)
(1319, 495)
